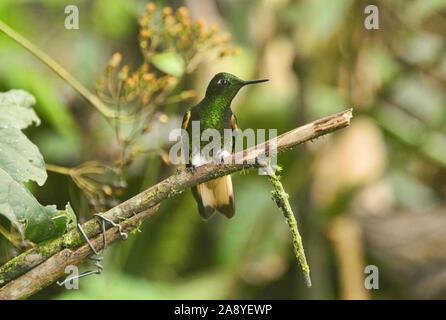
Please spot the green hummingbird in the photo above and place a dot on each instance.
(214, 112)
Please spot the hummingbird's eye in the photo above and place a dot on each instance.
(223, 82)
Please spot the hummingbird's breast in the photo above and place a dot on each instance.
(215, 119)
(212, 115)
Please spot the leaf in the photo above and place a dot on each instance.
(34, 221)
(169, 62)
(19, 156)
(16, 111)
(20, 161)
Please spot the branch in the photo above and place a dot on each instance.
(170, 187)
(281, 198)
(53, 268)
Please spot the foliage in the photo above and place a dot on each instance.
(21, 161)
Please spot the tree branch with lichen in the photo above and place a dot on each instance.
(25, 272)
(51, 269)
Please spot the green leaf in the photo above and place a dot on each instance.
(21, 161)
(34, 221)
(19, 156)
(16, 111)
(169, 62)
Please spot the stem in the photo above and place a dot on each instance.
(59, 70)
(58, 169)
(9, 236)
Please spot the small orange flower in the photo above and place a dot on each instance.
(201, 23)
(167, 11)
(107, 190)
(123, 74)
(125, 69)
(183, 12)
(145, 67)
(151, 7)
(115, 60)
(144, 33)
(148, 77)
(130, 82)
(170, 20)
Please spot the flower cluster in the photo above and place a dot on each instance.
(166, 30)
(118, 86)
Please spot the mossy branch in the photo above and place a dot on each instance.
(21, 265)
(53, 268)
(281, 198)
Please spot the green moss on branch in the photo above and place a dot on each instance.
(281, 198)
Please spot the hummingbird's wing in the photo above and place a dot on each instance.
(186, 120)
(234, 126)
(184, 126)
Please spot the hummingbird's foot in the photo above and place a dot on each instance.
(191, 169)
(100, 256)
(198, 160)
(221, 154)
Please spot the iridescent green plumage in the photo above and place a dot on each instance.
(214, 112)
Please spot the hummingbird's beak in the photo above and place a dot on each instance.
(244, 83)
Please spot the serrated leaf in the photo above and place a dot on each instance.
(34, 221)
(169, 62)
(19, 156)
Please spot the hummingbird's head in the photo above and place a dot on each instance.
(226, 85)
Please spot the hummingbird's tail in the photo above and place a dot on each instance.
(215, 195)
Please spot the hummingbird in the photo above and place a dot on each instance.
(214, 112)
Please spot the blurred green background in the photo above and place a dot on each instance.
(371, 194)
